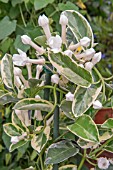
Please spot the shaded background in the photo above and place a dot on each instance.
(18, 17)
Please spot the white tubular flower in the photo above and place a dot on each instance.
(96, 58)
(103, 163)
(97, 104)
(39, 69)
(18, 72)
(55, 43)
(85, 42)
(20, 59)
(55, 78)
(89, 54)
(19, 114)
(40, 61)
(14, 139)
(17, 81)
(27, 40)
(68, 53)
(111, 160)
(63, 21)
(43, 21)
(69, 96)
(89, 66)
(28, 65)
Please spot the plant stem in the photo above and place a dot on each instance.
(22, 16)
(103, 83)
(83, 159)
(101, 147)
(56, 124)
(41, 162)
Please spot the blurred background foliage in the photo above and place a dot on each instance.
(18, 17)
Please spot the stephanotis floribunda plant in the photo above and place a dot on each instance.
(54, 107)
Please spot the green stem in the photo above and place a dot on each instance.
(41, 162)
(103, 83)
(101, 147)
(90, 162)
(82, 161)
(109, 78)
(22, 16)
(51, 87)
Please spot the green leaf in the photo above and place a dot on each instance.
(17, 145)
(4, 1)
(7, 98)
(66, 107)
(19, 45)
(5, 44)
(68, 167)
(85, 145)
(7, 71)
(79, 25)
(15, 2)
(108, 124)
(109, 147)
(41, 40)
(33, 104)
(7, 158)
(16, 121)
(41, 4)
(83, 99)
(39, 141)
(68, 6)
(12, 130)
(70, 69)
(58, 152)
(85, 128)
(7, 27)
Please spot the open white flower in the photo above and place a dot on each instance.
(63, 21)
(97, 104)
(96, 58)
(89, 53)
(85, 42)
(43, 21)
(103, 163)
(55, 43)
(20, 59)
(69, 96)
(14, 139)
(55, 78)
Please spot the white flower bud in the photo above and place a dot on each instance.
(39, 69)
(14, 139)
(103, 163)
(63, 20)
(85, 42)
(68, 53)
(55, 42)
(96, 58)
(69, 96)
(43, 20)
(89, 66)
(17, 71)
(55, 78)
(97, 104)
(37, 97)
(81, 65)
(25, 39)
(89, 53)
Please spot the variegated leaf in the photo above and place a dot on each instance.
(108, 124)
(70, 69)
(68, 167)
(109, 147)
(7, 71)
(12, 130)
(17, 145)
(39, 141)
(83, 99)
(33, 104)
(78, 25)
(85, 128)
(58, 152)
(85, 144)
